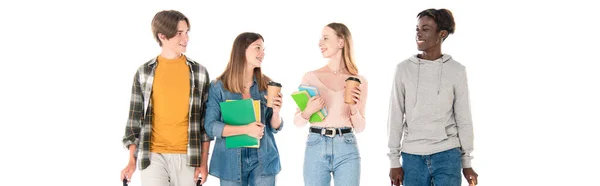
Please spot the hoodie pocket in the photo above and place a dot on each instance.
(429, 131)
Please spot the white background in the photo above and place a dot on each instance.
(66, 71)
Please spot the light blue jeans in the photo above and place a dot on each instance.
(251, 171)
(325, 156)
(439, 169)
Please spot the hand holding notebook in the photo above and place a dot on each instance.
(309, 101)
(312, 92)
(314, 104)
(302, 99)
(255, 129)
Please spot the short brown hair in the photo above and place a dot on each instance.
(233, 76)
(443, 19)
(165, 22)
(343, 32)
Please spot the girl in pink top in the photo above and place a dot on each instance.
(331, 145)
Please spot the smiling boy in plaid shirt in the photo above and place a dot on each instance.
(165, 132)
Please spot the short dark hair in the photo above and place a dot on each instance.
(165, 22)
(442, 17)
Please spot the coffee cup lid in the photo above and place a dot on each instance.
(273, 83)
(353, 79)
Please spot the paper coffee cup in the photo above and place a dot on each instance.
(273, 89)
(351, 84)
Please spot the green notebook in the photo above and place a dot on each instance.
(301, 99)
(239, 113)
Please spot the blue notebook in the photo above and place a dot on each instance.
(312, 91)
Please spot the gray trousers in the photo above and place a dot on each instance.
(168, 170)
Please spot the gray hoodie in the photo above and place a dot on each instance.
(430, 106)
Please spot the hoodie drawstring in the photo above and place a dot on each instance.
(441, 73)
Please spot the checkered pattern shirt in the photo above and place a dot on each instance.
(139, 125)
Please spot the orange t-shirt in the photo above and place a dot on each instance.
(171, 103)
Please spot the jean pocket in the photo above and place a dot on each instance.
(350, 139)
(313, 139)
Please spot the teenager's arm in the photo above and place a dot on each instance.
(301, 118)
(462, 116)
(204, 155)
(204, 137)
(212, 118)
(357, 112)
(396, 119)
(276, 122)
(133, 127)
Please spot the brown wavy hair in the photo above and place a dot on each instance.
(233, 76)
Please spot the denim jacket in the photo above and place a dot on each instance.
(226, 163)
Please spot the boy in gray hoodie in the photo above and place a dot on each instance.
(429, 122)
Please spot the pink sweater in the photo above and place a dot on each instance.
(339, 114)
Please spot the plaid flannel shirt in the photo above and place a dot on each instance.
(139, 124)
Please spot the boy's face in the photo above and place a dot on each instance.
(178, 43)
(427, 34)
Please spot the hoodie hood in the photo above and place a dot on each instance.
(445, 58)
(440, 61)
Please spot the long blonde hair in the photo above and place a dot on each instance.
(343, 32)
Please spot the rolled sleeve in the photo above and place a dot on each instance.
(269, 116)
(128, 142)
(275, 130)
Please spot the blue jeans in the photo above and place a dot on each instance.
(326, 155)
(251, 171)
(439, 169)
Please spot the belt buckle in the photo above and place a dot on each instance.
(333, 132)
